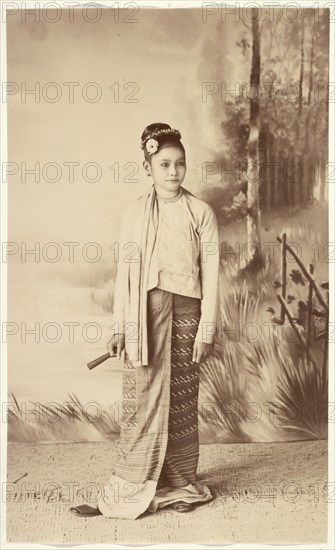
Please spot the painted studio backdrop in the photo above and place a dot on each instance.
(249, 97)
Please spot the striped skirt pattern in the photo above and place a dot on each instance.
(158, 448)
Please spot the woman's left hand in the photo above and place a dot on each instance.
(201, 350)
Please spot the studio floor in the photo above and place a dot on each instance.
(271, 493)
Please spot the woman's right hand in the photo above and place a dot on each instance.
(117, 341)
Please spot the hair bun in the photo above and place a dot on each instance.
(159, 130)
(154, 128)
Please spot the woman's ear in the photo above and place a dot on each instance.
(147, 167)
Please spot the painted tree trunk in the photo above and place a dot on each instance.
(269, 174)
(253, 217)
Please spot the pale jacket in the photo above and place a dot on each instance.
(188, 264)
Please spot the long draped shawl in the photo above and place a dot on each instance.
(137, 239)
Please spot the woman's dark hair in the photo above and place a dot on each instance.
(163, 134)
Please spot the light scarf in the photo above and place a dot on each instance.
(144, 228)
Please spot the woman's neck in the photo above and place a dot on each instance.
(167, 195)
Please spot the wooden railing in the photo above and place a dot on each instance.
(313, 289)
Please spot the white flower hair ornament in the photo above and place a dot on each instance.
(151, 146)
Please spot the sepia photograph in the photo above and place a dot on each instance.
(167, 253)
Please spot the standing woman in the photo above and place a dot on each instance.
(165, 308)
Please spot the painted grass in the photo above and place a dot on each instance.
(62, 422)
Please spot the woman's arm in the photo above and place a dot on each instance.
(121, 281)
(209, 270)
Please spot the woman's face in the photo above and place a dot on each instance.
(167, 168)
